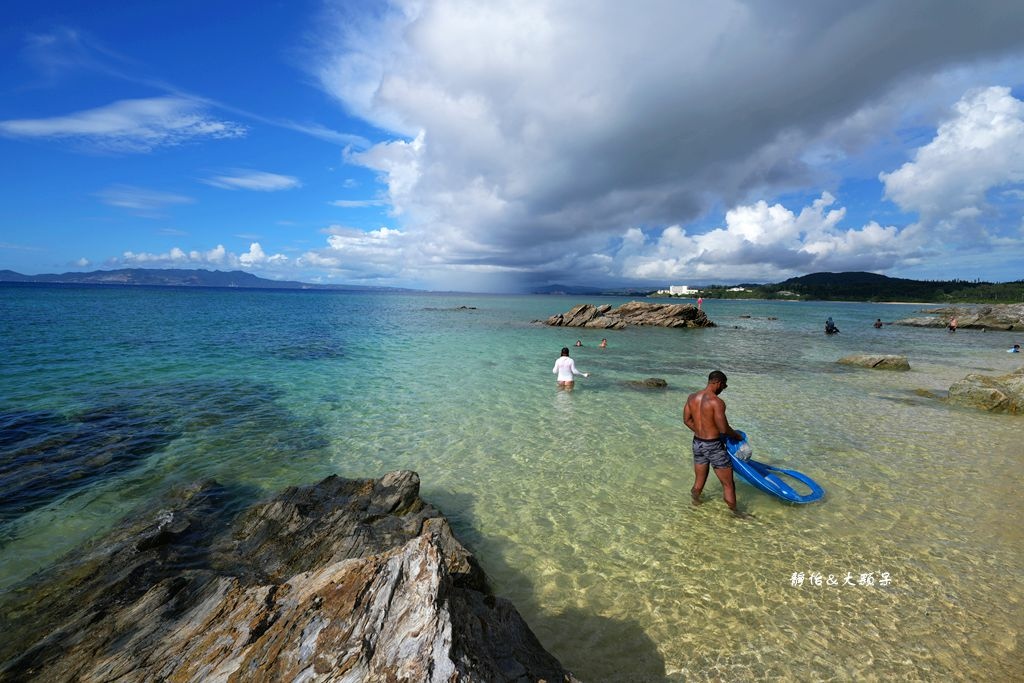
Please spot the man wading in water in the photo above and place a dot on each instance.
(704, 414)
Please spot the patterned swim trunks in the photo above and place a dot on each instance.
(710, 451)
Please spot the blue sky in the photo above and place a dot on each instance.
(501, 146)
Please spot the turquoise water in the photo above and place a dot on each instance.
(576, 504)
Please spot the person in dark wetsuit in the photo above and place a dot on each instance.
(704, 414)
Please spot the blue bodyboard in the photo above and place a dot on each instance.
(766, 477)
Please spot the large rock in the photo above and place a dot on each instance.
(1004, 394)
(632, 313)
(346, 580)
(876, 361)
(994, 317)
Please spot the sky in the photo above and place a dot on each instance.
(502, 146)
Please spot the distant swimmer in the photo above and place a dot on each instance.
(878, 323)
(1014, 349)
(704, 414)
(579, 342)
(566, 370)
(952, 324)
(603, 344)
(830, 327)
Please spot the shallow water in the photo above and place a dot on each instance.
(576, 504)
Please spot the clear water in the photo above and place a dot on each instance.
(576, 504)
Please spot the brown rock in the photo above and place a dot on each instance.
(632, 313)
(346, 580)
(991, 317)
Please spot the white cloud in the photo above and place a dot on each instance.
(129, 125)
(763, 242)
(216, 257)
(82, 263)
(352, 253)
(255, 256)
(530, 135)
(980, 149)
(260, 181)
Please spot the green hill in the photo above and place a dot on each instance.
(862, 286)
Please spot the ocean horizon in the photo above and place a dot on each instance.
(576, 504)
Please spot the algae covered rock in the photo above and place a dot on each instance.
(649, 383)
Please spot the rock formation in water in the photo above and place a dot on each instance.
(345, 580)
(633, 313)
(649, 383)
(1003, 394)
(994, 317)
(876, 361)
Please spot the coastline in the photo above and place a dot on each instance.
(571, 502)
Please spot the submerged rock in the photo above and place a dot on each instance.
(877, 361)
(649, 383)
(1003, 394)
(633, 313)
(346, 580)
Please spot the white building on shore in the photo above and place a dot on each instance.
(679, 290)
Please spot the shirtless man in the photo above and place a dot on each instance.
(704, 414)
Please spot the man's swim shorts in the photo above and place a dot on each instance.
(710, 451)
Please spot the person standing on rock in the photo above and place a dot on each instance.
(565, 368)
(704, 414)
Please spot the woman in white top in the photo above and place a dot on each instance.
(566, 370)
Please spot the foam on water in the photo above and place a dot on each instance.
(577, 505)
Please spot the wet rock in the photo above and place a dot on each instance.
(994, 317)
(632, 313)
(876, 361)
(346, 580)
(1003, 394)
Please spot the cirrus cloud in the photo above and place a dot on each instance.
(259, 181)
(139, 125)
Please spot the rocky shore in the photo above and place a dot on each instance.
(994, 317)
(633, 313)
(345, 580)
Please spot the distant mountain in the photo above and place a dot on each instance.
(175, 277)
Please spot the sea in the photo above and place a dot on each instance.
(576, 504)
